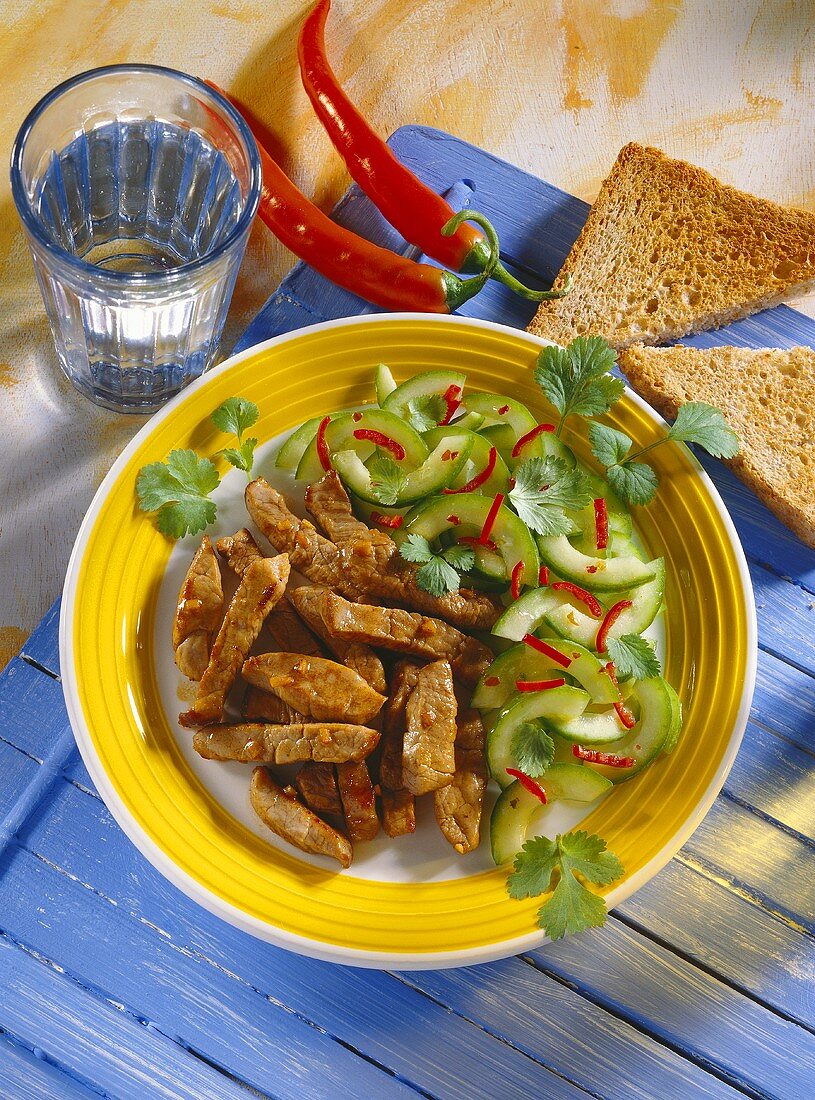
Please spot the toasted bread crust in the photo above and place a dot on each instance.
(668, 250)
(769, 400)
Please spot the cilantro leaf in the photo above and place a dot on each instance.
(576, 378)
(426, 412)
(235, 416)
(634, 656)
(633, 482)
(461, 558)
(571, 907)
(543, 488)
(178, 491)
(416, 548)
(532, 748)
(437, 576)
(387, 478)
(242, 456)
(698, 422)
(608, 445)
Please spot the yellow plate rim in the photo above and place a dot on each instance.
(260, 928)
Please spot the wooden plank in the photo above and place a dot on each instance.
(95, 1041)
(32, 709)
(786, 618)
(28, 1076)
(785, 700)
(228, 1008)
(775, 777)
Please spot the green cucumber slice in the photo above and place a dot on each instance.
(675, 731)
(645, 740)
(498, 480)
(292, 450)
(339, 436)
(470, 422)
(516, 806)
(525, 615)
(515, 415)
(511, 536)
(502, 437)
(545, 445)
(384, 383)
(570, 622)
(595, 574)
(521, 662)
(563, 703)
(595, 727)
(426, 384)
(434, 474)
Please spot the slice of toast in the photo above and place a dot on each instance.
(668, 250)
(768, 397)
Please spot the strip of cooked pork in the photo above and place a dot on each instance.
(295, 822)
(198, 612)
(317, 785)
(317, 558)
(458, 806)
(263, 706)
(372, 566)
(308, 600)
(322, 689)
(403, 681)
(239, 550)
(263, 743)
(398, 813)
(428, 755)
(358, 800)
(406, 632)
(261, 586)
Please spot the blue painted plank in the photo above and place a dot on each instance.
(28, 1076)
(768, 765)
(43, 645)
(785, 700)
(32, 709)
(786, 617)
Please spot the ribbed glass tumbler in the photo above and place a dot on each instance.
(136, 186)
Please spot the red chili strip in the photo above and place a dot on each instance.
(381, 440)
(387, 521)
(612, 615)
(581, 594)
(536, 431)
(610, 759)
(601, 522)
(472, 540)
(529, 783)
(503, 410)
(546, 650)
(612, 675)
(492, 681)
(489, 522)
(518, 568)
(322, 446)
(538, 685)
(479, 479)
(452, 399)
(543, 576)
(625, 715)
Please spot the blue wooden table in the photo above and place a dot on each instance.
(700, 985)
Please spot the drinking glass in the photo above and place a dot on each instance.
(136, 186)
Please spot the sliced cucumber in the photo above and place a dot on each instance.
(517, 807)
(438, 470)
(545, 445)
(570, 622)
(595, 727)
(595, 574)
(339, 436)
(292, 450)
(511, 536)
(563, 703)
(521, 662)
(675, 731)
(384, 383)
(502, 437)
(525, 615)
(498, 480)
(427, 384)
(470, 422)
(504, 411)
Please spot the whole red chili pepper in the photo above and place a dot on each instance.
(409, 205)
(374, 273)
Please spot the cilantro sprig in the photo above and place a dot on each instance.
(387, 478)
(636, 482)
(634, 656)
(543, 488)
(532, 748)
(439, 573)
(568, 861)
(426, 412)
(178, 489)
(576, 378)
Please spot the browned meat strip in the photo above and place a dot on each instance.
(403, 681)
(198, 611)
(239, 550)
(308, 601)
(428, 756)
(261, 743)
(261, 586)
(358, 801)
(289, 632)
(295, 822)
(317, 785)
(458, 806)
(398, 813)
(372, 567)
(262, 706)
(312, 555)
(406, 632)
(319, 688)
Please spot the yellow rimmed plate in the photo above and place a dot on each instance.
(410, 902)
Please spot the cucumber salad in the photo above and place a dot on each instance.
(482, 495)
